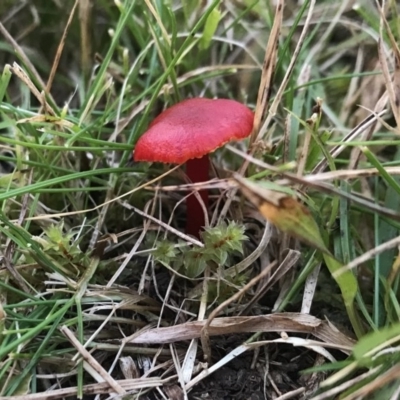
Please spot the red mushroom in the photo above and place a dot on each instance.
(186, 133)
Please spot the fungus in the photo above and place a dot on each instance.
(186, 133)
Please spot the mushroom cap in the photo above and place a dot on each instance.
(192, 129)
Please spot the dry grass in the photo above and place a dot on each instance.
(102, 293)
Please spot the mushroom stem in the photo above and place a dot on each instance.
(197, 170)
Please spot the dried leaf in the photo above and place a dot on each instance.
(174, 392)
(278, 322)
(285, 212)
(129, 368)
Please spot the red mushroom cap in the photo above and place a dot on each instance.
(192, 129)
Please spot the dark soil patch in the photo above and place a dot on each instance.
(268, 373)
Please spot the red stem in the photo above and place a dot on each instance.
(197, 171)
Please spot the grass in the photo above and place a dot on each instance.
(294, 284)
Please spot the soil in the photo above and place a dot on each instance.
(268, 374)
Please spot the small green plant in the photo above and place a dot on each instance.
(63, 249)
(221, 244)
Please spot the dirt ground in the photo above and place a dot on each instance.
(266, 373)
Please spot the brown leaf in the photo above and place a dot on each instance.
(279, 322)
(174, 392)
(285, 212)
